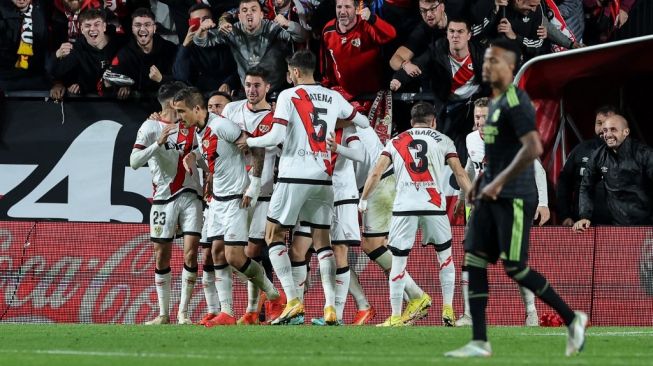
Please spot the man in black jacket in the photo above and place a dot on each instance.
(454, 67)
(207, 68)
(23, 45)
(79, 67)
(626, 168)
(147, 58)
(572, 174)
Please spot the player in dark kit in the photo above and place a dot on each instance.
(505, 201)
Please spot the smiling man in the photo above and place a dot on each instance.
(625, 167)
(79, 67)
(147, 58)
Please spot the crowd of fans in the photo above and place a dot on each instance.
(123, 49)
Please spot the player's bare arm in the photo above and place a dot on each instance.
(373, 180)
(530, 150)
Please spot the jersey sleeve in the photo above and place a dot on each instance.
(449, 149)
(346, 111)
(228, 130)
(522, 114)
(349, 135)
(144, 137)
(284, 108)
(388, 149)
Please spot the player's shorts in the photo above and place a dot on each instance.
(184, 210)
(345, 229)
(376, 220)
(500, 229)
(436, 231)
(310, 204)
(300, 230)
(258, 221)
(204, 239)
(228, 221)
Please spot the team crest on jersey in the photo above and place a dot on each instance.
(263, 128)
(158, 230)
(604, 169)
(356, 42)
(205, 143)
(183, 131)
(470, 66)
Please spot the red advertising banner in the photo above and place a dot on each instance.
(104, 273)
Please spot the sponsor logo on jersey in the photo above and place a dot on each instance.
(158, 230)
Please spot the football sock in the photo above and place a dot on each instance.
(342, 289)
(447, 276)
(397, 281)
(383, 258)
(535, 282)
(224, 285)
(464, 286)
(162, 282)
(256, 275)
(528, 297)
(281, 263)
(478, 296)
(299, 274)
(210, 292)
(327, 261)
(357, 292)
(188, 279)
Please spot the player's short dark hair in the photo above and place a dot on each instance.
(258, 71)
(191, 96)
(510, 46)
(482, 102)
(168, 90)
(217, 93)
(241, 2)
(607, 109)
(303, 60)
(422, 112)
(468, 26)
(199, 6)
(90, 14)
(143, 12)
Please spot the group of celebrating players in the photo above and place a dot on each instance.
(310, 165)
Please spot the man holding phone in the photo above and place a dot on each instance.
(208, 68)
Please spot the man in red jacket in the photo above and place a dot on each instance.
(351, 51)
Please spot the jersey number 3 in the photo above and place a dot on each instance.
(418, 150)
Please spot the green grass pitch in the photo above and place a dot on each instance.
(30, 344)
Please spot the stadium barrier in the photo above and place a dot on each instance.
(103, 273)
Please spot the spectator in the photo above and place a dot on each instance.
(207, 68)
(65, 23)
(147, 58)
(572, 174)
(217, 101)
(574, 16)
(254, 41)
(79, 68)
(603, 17)
(351, 58)
(454, 66)
(626, 168)
(23, 45)
(432, 27)
(518, 20)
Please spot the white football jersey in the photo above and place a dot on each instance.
(225, 161)
(310, 113)
(344, 179)
(169, 177)
(256, 123)
(419, 156)
(476, 151)
(372, 147)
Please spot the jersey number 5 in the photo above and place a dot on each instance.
(319, 125)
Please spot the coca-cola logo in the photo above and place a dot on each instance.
(110, 282)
